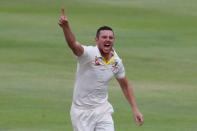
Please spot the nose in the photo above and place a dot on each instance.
(107, 39)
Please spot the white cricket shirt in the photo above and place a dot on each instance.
(93, 75)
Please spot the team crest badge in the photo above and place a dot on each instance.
(97, 61)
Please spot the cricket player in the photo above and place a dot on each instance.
(96, 65)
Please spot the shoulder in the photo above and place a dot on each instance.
(89, 49)
(117, 58)
(88, 55)
(119, 66)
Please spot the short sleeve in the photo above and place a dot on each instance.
(121, 71)
(86, 56)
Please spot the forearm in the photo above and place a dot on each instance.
(129, 94)
(69, 36)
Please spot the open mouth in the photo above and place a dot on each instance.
(107, 45)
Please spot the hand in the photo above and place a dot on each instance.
(139, 119)
(63, 21)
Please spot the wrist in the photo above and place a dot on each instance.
(65, 26)
(135, 109)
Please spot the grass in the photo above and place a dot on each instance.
(155, 39)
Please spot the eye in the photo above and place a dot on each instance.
(104, 37)
(111, 37)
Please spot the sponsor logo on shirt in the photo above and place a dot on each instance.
(115, 65)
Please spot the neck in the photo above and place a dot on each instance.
(107, 56)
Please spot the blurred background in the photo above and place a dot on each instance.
(155, 39)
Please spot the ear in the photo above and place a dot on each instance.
(96, 39)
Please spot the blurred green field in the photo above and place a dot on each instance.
(155, 39)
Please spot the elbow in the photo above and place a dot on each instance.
(71, 43)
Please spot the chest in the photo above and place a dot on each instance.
(101, 71)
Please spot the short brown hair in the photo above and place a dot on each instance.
(103, 28)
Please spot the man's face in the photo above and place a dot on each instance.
(105, 41)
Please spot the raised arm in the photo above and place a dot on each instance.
(129, 94)
(69, 36)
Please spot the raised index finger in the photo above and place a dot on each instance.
(63, 13)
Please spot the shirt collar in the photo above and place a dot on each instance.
(98, 54)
